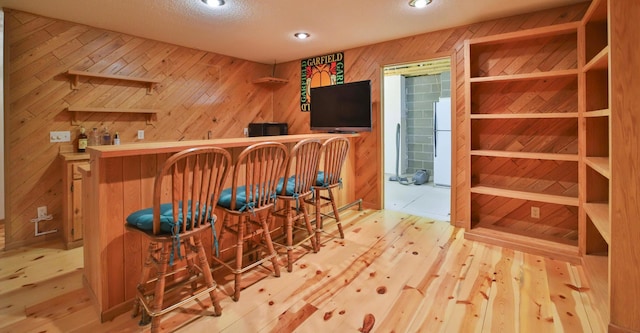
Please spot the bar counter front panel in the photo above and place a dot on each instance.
(120, 181)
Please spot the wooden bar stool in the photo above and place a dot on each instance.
(302, 171)
(192, 179)
(249, 201)
(334, 154)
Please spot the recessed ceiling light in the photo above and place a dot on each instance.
(302, 35)
(213, 3)
(419, 3)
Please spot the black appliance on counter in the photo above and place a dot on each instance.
(266, 129)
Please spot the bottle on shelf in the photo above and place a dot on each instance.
(106, 137)
(82, 141)
(116, 138)
(94, 138)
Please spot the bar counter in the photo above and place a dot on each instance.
(119, 181)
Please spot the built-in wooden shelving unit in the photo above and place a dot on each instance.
(523, 135)
(595, 166)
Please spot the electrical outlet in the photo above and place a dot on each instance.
(60, 136)
(535, 212)
(42, 212)
(140, 134)
(245, 131)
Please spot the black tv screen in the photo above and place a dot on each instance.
(342, 107)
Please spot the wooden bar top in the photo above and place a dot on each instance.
(134, 149)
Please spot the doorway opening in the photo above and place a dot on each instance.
(417, 138)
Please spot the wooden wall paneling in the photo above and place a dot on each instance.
(557, 223)
(462, 141)
(199, 91)
(453, 213)
(112, 269)
(597, 84)
(91, 273)
(624, 23)
(526, 135)
(544, 54)
(133, 247)
(542, 176)
(555, 95)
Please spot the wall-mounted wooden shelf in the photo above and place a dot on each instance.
(269, 80)
(74, 110)
(77, 74)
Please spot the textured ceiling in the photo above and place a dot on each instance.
(262, 30)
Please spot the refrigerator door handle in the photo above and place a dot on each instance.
(435, 129)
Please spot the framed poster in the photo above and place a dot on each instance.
(318, 72)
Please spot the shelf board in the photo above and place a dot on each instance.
(523, 195)
(553, 30)
(597, 113)
(75, 109)
(524, 115)
(270, 80)
(527, 155)
(539, 246)
(597, 12)
(77, 74)
(524, 77)
(599, 164)
(599, 62)
(599, 214)
(114, 110)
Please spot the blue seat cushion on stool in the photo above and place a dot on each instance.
(143, 219)
(241, 198)
(291, 184)
(320, 180)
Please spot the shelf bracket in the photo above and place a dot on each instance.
(74, 121)
(75, 81)
(150, 88)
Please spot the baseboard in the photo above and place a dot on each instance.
(613, 328)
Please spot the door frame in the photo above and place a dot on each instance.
(454, 128)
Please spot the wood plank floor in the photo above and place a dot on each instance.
(399, 272)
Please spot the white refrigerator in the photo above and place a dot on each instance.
(442, 142)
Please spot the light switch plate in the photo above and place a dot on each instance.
(59, 136)
(140, 134)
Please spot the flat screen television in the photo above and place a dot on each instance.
(342, 107)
